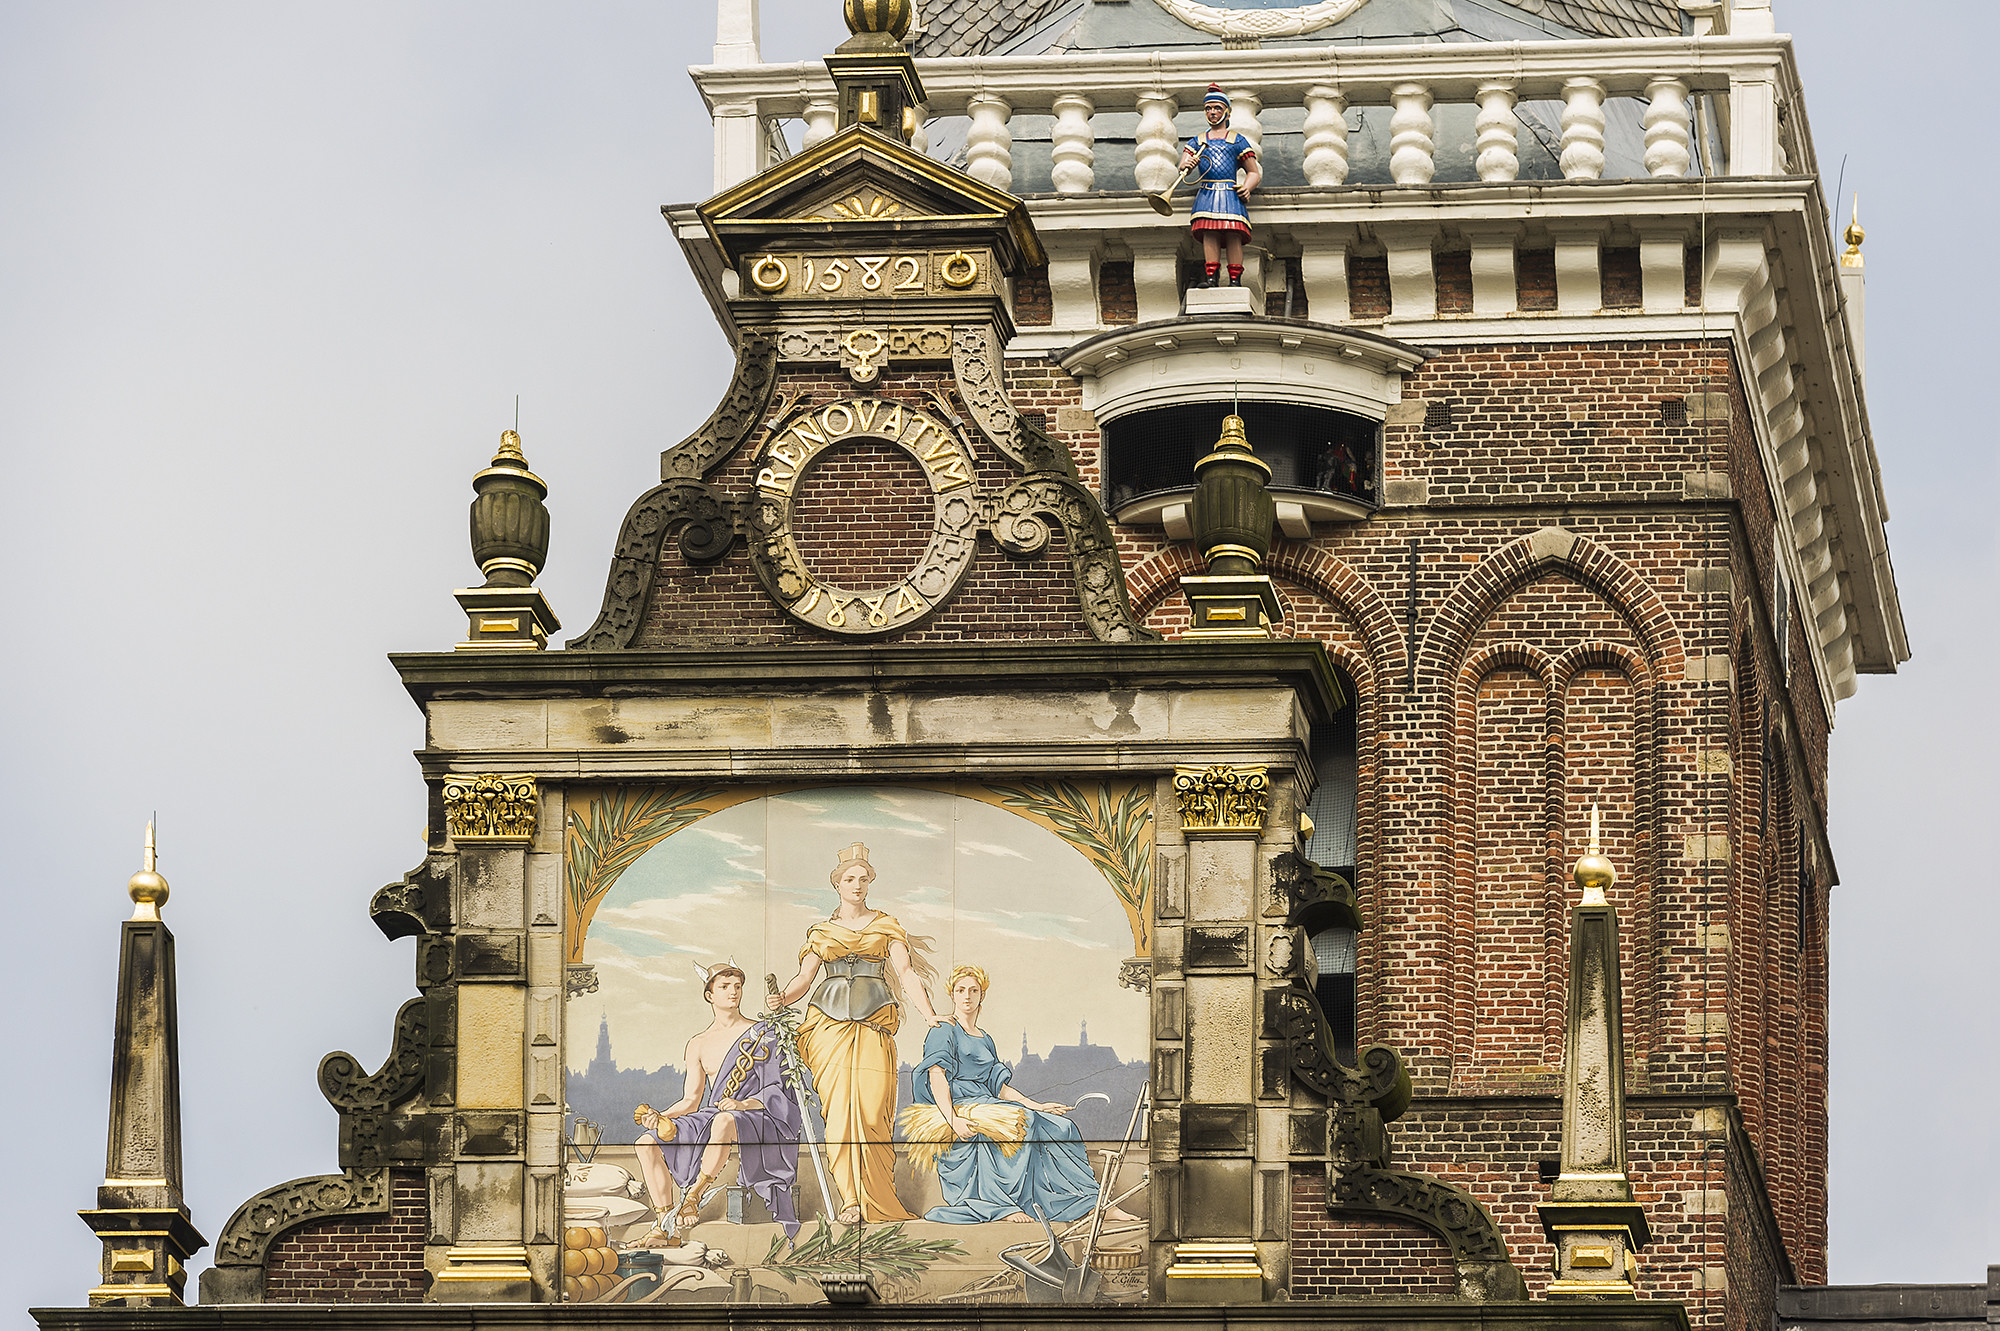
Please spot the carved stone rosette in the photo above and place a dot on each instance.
(490, 809)
(1222, 798)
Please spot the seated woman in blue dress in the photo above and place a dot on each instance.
(998, 1154)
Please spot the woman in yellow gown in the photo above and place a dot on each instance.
(848, 1035)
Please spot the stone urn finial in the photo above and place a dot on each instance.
(1232, 514)
(510, 523)
(510, 543)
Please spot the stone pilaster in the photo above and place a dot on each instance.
(1206, 1248)
(498, 1237)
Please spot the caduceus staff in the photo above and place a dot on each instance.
(795, 1077)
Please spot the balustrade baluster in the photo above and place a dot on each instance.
(1499, 133)
(822, 117)
(1410, 129)
(1243, 108)
(1667, 121)
(1072, 151)
(1156, 153)
(989, 143)
(1582, 129)
(1326, 136)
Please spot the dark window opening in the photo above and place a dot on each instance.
(1333, 986)
(1313, 449)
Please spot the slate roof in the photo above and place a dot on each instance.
(973, 27)
(1609, 18)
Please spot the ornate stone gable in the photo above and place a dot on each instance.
(867, 476)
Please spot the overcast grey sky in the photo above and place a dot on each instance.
(270, 279)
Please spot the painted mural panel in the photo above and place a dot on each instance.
(878, 1027)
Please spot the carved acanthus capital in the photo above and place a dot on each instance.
(490, 809)
(1222, 798)
(1136, 973)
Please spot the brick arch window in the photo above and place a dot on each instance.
(1334, 956)
(1335, 812)
(1333, 807)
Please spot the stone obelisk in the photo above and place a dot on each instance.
(140, 1215)
(1590, 1216)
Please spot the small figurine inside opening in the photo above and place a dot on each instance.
(1217, 157)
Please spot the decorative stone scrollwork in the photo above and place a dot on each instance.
(975, 363)
(1136, 973)
(579, 977)
(1366, 1099)
(247, 1236)
(350, 1090)
(785, 456)
(734, 418)
(864, 351)
(487, 809)
(1380, 1082)
(1020, 518)
(706, 522)
(1222, 798)
(1257, 24)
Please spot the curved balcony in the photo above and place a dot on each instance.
(1160, 390)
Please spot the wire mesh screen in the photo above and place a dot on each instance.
(1307, 448)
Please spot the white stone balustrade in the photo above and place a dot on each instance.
(1411, 148)
(1325, 136)
(1072, 142)
(1582, 129)
(1744, 79)
(1156, 147)
(1499, 133)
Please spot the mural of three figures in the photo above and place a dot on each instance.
(790, 1023)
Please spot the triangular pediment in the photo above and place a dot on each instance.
(861, 183)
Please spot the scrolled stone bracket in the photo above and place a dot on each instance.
(706, 524)
(351, 1091)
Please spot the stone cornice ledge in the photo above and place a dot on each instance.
(1313, 1315)
(905, 667)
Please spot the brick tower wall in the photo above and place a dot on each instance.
(1616, 674)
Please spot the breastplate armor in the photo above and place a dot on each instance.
(851, 989)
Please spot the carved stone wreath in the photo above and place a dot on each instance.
(948, 555)
(1247, 24)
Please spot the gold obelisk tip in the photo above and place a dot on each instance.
(1854, 235)
(148, 890)
(1593, 872)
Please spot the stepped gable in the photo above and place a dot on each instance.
(866, 476)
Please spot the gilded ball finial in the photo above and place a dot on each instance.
(891, 16)
(510, 450)
(147, 889)
(1854, 235)
(1593, 872)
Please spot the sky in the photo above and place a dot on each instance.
(271, 279)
